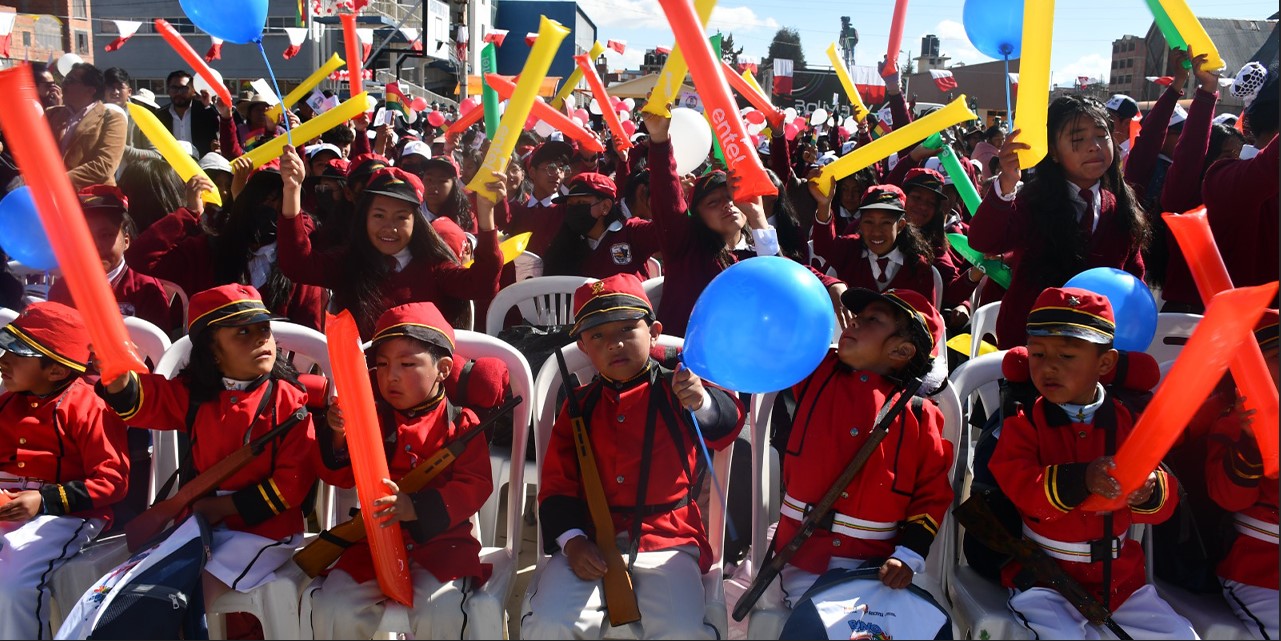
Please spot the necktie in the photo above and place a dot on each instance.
(884, 264)
(1087, 217)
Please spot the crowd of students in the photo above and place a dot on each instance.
(377, 221)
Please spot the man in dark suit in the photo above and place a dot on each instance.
(185, 117)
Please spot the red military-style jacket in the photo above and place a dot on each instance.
(617, 414)
(1040, 463)
(71, 444)
(269, 491)
(440, 540)
(904, 487)
(137, 295)
(1234, 477)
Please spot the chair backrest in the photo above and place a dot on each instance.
(938, 288)
(1172, 333)
(979, 376)
(173, 290)
(528, 265)
(546, 300)
(982, 322)
(654, 290)
(307, 346)
(655, 269)
(151, 340)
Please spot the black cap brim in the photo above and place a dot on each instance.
(883, 207)
(1071, 331)
(856, 299)
(608, 316)
(248, 319)
(392, 194)
(10, 342)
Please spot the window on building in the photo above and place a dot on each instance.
(79, 9)
(26, 38)
(1129, 63)
(1131, 47)
(82, 42)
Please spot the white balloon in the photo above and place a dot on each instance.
(571, 102)
(371, 102)
(752, 129)
(818, 117)
(578, 121)
(850, 124)
(691, 139)
(198, 83)
(543, 129)
(66, 62)
(789, 115)
(631, 104)
(624, 115)
(594, 107)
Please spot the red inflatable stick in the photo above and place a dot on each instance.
(741, 158)
(31, 143)
(621, 141)
(545, 112)
(194, 59)
(355, 61)
(896, 38)
(1249, 369)
(747, 91)
(368, 460)
(466, 120)
(1229, 319)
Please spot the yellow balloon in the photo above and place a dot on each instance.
(1193, 33)
(334, 64)
(274, 148)
(574, 78)
(550, 35)
(667, 87)
(511, 248)
(851, 91)
(167, 145)
(1034, 80)
(894, 142)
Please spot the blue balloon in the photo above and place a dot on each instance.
(1132, 305)
(760, 326)
(22, 234)
(238, 21)
(995, 27)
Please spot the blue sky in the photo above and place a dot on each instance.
(1083, 29)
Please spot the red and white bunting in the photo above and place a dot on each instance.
(496, 36)
(662, 50)
(530, 38)
(6, 32)
(411, 35)
(943, 79)
(215, 50)
(297, 35)
(341, 75)
(126, 28)
(619, 46)
(1164, 81)
(366, 37)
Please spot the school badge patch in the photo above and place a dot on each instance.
(621, 253)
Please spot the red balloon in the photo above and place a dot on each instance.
(435, 118)
(755, 117)
(790, 130)
(419, 104)
(582, 115)
(468, 104)
(629, 127)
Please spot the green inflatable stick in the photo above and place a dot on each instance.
(489, 97)
(1172, 35)
(952, 165)
(716, 144)
(997, 270)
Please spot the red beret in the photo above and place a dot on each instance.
(590, 184)
(231, 305)
(887, 197)
(924, 178)
(1074, 313)
(396, 183)
(451, 233)
(619, 297)
(49, 329)
(422, 321)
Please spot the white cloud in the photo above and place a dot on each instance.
(730, 19)
(950, 30)
(954, 44)
(631, 58)
(1095, 66)
(644, 14)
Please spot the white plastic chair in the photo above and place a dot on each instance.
(173, 290)
(546, 386)
(35, 282)
(545, 300)
(1172, 333)
(528, 265)
(655, 269)
(981, 323)
(654, 290)
(938, 288)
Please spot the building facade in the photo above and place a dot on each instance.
(44, 30)
(520, 17)
(1129, 68)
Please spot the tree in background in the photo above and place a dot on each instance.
(786, 45)
(729, 53)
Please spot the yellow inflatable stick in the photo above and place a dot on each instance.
(575, 77)
(550, 35)
(167, 145)
(274, 148)
(1193, 33)
(1034, 80)
(963, 343)
(851, 91)
(334, 64)
(751, 80)
(513, 247)
(895, 141)
(667, 87)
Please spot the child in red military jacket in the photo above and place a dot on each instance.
(1054, 455)
(234, 389)
(413, 350)
(891, 512)
(63, 460)
(650, 468)
(1234, 476)
(596, 240)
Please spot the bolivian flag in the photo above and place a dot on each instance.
(396, 100)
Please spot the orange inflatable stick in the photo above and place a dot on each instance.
(464, 121)
(896, 37)
(1229, 319)
(194, 59)
(741, 159)
(31, 143)
(1249, 369)
(368, 460)
(747, 91)
(355, 61)
(615, 125)
(545, 112)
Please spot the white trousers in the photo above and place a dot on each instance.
(344, 609)
(1145, 615)
(669, 592)
(29, 555)
(1255, 606)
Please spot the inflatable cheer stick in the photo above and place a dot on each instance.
(167, 145)
(272, 149)
(895, 141)
(194, 59)
(1193, 33)
(511, 248)
(305, 88)
(1249, 369)
(489, 97)
(668, 85)
(574, 78)
(896, 38)
(851, 91)
(30, 140)
(1034, 81)
(544, 112)
(615, 125)
(746, 90)
(995, 269)
(466, 120)
(355, 61)
(1172, 36)
(1229, 319)
(740, 154)
(368, 459)
(503, 141)
(751, 80)
(952, 165)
